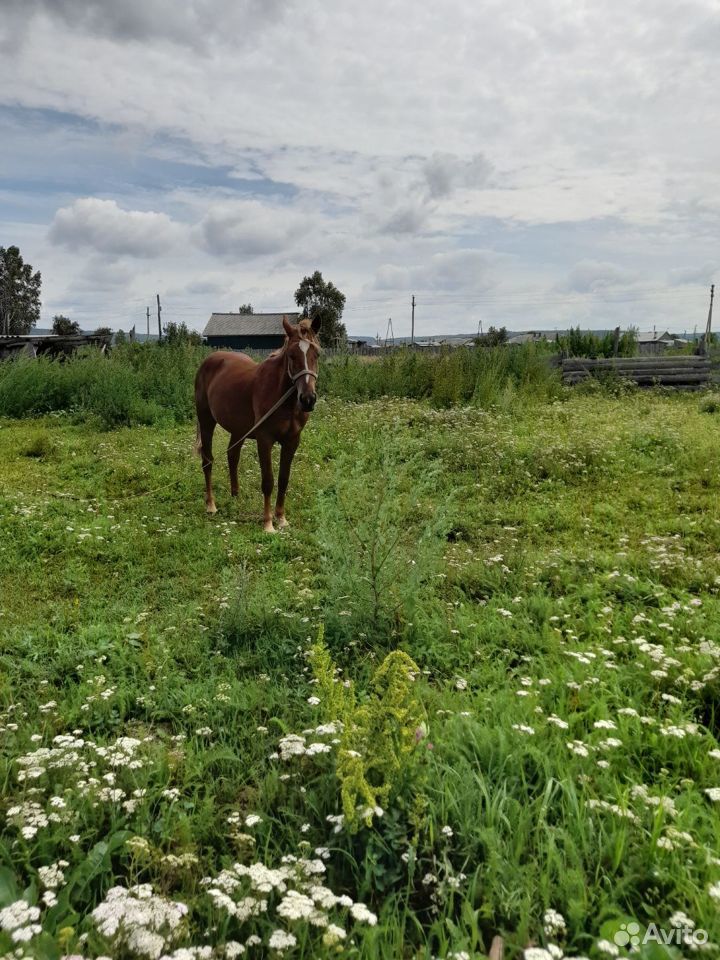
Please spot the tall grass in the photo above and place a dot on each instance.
(136, 384)
(153, 384)
(482, 376)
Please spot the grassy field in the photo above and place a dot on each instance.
(472, 690)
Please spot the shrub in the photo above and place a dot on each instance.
(486, 376)
(136, 384)
(377, 737)
(379, 532)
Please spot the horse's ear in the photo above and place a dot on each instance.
(316, 323)
(287, 326)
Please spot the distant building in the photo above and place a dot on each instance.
(652, 342)
(247, 331)
(533, 336)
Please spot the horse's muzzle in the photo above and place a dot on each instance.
(307, 401)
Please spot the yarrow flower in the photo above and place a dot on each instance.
(361, 913)
(281, 940)
(138, 920)
(553, 923)
(20, 921)
(605, 946)
(53, 877)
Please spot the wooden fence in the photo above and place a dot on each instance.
(683, 372)
(35, 345)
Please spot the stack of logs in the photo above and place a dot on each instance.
(689, 373)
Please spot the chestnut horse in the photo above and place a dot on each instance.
(234, 391)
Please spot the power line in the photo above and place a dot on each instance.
(531, 299)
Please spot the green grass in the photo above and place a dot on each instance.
(551, 567)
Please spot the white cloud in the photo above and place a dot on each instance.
(464, 271)
(191, 24)
(103, 227)
(409, 218)
(445, 173)
(249, 229)
(703, 273)
(378, 141)
(592, 276)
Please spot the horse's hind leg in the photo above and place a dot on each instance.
(206, 428)
(233, 456)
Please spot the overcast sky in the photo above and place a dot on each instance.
(532, 163)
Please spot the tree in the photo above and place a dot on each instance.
(19, 293)
(320, 299)
(64, 326)
(102, 332)
(246, 308)
(494, 337)
(178, 334)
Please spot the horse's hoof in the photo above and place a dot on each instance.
(268, 527)
(281, 522)
(211, 509)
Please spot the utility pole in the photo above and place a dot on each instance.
(709, 319)
(147, 311)
(159, 309)
(704, 347)
(412, 322)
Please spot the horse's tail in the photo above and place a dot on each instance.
(197, 446)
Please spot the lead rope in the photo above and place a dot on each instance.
(271, 411)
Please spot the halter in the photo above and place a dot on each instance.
(304, 372)
(296, 376)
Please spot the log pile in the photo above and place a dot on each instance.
(688, 373)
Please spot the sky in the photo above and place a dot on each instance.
(526, 163)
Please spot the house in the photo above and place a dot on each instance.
(652, 342)
(247, 331)
(534, 336)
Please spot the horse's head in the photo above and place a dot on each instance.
(302, 350)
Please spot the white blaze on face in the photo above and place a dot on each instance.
(305, 346)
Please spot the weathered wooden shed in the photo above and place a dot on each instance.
(247, 331)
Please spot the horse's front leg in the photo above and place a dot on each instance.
(287, 452)
(266, 472)
(233, 455)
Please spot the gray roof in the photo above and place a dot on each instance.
(654, 336)
(247, 324)
(520, 338)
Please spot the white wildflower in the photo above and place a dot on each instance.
(553, 923)
(281, 940)
(361, 913)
